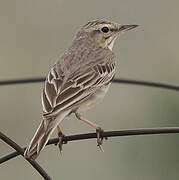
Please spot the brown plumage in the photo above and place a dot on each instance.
(78, 80)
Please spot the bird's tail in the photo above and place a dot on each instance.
(40, 138)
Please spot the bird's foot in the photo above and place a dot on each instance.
(61, 141)
(99, 133)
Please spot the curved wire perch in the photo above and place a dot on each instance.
(115, 80)
(21, 152)
(22, 81)
(130, 132)
(146, 83)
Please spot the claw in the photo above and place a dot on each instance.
(99, 133)
(61, 141)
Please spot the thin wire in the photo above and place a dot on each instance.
(147, 83)
(106, 134)
(21, 81)
(116, 80)
(21, 152)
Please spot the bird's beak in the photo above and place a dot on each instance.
(124, 28)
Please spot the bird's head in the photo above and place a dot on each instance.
(103, 33)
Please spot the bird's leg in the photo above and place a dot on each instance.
(99, 131)
(61, 138)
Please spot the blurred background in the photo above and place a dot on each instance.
(33, 34)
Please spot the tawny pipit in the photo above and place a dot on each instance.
(79, 79)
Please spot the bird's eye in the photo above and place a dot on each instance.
(105, 29)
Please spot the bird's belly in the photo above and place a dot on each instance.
(93, 99)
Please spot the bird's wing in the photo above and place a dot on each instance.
(60, 93)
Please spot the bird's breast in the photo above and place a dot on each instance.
(95, 98)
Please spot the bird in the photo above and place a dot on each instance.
(78, 80)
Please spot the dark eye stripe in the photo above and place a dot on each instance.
(113, 30)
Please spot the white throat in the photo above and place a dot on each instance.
(111, 42)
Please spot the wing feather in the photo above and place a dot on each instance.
(45, 103)
(50, 92)
(60, 93)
